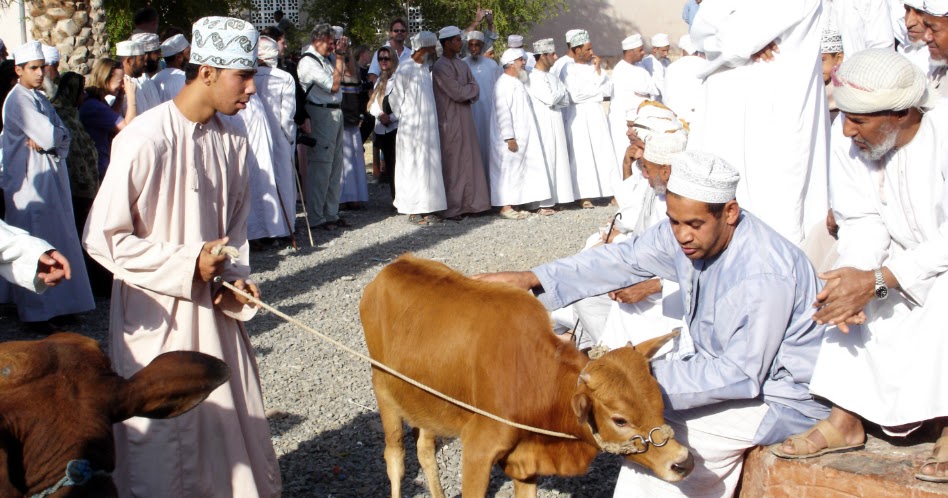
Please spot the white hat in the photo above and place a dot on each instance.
(660, 40)
(685, 43)
(654, 119)
(934, 7)
(225, 43)
(511, 55)
(449, 32)
(515, 41)
(475, 35)
(268, 51)
(634, 41)
(875, 80)
(661, 148)
(571, 33)
(149, 41)
(580, 38)
(337, 32)
(424, 39)
(129, 48)
(832, 42)
(31, 51)
(50, 55)
(544, 46)
(174, 45)
(704, 177)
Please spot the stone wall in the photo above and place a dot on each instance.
(77, 29)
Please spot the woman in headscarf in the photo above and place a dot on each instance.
(386, 123)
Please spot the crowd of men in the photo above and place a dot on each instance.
(780, 189)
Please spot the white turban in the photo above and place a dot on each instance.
(449, 32)
(571, 33)
(934, 7)
(50, 55)
(174, 45)
(129, 48)
(268, 51)
(424, 39)
(32, 51)
(832, 42)
(652, 119)
(515, 41)
(225, 43)
(875, 80)
(544, 46)
(511, 55)
(660, 40)
(149, 41)
(661, 148)
(634, 41)
(475, 35)
(685, 43)
(580, 38)
(703, 177)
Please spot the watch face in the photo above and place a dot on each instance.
(882, 293)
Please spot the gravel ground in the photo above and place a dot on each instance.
(321, 407)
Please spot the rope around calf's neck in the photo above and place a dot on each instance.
(389, 370)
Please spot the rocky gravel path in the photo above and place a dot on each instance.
(321, 408)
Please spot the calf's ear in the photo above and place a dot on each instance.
(581, 405)
(650, 347)
(170, 385)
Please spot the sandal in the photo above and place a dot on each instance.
(545, 212)
(587, 204)
(836, 443)
(939, 455)
(513, 215)
(433, 219)
(417, 219)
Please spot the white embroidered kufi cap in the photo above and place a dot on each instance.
(544, 46)
(475, 35)
(580, 38)
(515, 41)
(511, 55)
(174, 45)
(915, 4)
(832, 42)
(32, 51)
(935, 7)
(424, 39)
(876, 80)
(704, 177)
(268, 51)
(634, 41)
(661, 148)
(225, 43)
(449, 32)
(129, 48)
(149, 41)
(571, 33)
(50, 55)
(660, 40)
(687, 44)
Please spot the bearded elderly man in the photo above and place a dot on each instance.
(746, 292)
(935, 34)
(549, 97)
(485, 71)
(887, 295)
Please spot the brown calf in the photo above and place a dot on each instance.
(59, 398)
(493, 346)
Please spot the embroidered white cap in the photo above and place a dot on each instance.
(631, 42)
(50, 55)
(129, 48)
(475, 35)
(515, 41)
(661, 148)
(704, 177)
(571, 33)
(831, 42)
(544, 46)
(149, 41)
(660, 40)
(31, 51)
(580, 38)
(174, 45)
(449, 32)
(225, 43)
(424, 39)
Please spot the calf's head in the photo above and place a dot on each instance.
(59, 398)
(619, 401)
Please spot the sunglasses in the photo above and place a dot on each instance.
(384, 59)
(399, 31)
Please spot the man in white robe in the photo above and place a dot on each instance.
(518, 173)
(35, 182)
(132, 56)
(170, 80)
(935, 34)
(549, 97)
(177, 188)
(592, 155)
(884, 360)
(631, 85)
(485, 71)
(657, 61)
(765, 111)
(863, 24)
(417, 146)
(908, 28)
(682, 92)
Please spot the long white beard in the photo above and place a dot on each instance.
(875, 152)
(937, 63)
(50, 87)
(523, 76)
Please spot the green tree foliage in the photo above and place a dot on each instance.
(366, 21)
(178, 13)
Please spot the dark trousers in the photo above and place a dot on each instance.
(386, 144)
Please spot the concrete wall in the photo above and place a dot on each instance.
(10, 26)
(610, 21)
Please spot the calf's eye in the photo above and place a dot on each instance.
(619, 421)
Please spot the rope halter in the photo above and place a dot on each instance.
(78, 472)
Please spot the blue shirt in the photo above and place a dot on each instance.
(100, 121)
(749, 311)
(690, 11)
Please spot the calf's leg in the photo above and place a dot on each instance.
(525, 489)
(426, 447)
(481, 447)
(394, 445)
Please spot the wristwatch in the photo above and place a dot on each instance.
(882, 291)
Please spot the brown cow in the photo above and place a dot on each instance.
(493, 346)
(59, 398)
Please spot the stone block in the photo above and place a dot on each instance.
(68, 26)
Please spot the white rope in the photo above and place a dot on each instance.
(391, 371)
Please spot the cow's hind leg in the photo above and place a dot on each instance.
(525, 489)
(426, 446)
(394, 445)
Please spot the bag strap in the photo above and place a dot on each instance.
(311, 56)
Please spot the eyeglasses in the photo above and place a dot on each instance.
(385, 59)
(399, 31)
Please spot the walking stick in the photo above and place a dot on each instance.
(299, 189)
(286, 218)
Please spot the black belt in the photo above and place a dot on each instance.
(327, 106)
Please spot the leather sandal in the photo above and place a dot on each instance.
(835, 441)
(939, 455)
